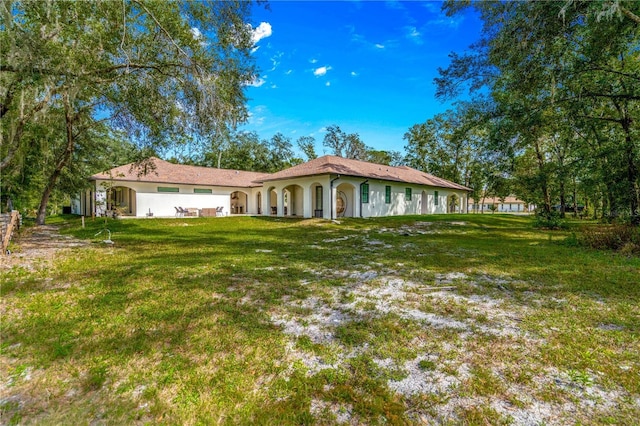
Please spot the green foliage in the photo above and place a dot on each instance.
(625, 238)
(75, 74)
(550, 220)
(560, 81)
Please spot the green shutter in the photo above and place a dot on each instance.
(435, 198)
(407, 193)
(387, 194)
(365, 193)
(168, 189)
(202, 191)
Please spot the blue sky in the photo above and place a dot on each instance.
(367, 66)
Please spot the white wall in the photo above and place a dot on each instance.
(400, 205)
(162, 204)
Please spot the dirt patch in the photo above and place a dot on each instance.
(38, 247)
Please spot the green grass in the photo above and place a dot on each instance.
(184, 321)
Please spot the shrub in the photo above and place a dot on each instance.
(625, 238)
(551, 220)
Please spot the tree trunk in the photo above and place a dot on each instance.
(546, 207)
(563, 201)
(575, 200)
(630, 159)
(60, 165)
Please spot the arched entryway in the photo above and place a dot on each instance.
(293, 196)
(345, 200)
(272, 201)
(239, 202)
(453, 202)
(121, 201)
(316, 194)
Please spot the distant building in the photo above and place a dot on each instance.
(509, 204)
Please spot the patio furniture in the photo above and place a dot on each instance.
(178, 212)
(189, 212)
(219, 211)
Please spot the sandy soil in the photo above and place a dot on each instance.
(37, 247)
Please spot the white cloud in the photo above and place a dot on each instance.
(413, 34)
(321, 71)
(257, 82)
(197, 35)
(354, 74)
(432, 7)
(275, 60)
(287, 72)
(261, 31)
(313, 60)
(379, 46)
(328, 83)
(443, 21)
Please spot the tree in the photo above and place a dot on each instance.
(558, 74)
(152, 69)
(347, 145)
(307, 146)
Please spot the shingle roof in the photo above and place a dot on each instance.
(166, 172)
(330, 164)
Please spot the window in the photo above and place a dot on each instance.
(407, 194)
(435, 198)
(387, 194)
(365, 193)
(202, 191)
(168, 189)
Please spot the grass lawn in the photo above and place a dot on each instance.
(448, 319)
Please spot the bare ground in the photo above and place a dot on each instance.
(37, 247)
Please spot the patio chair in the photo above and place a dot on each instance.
(219, 211)
(178, 212)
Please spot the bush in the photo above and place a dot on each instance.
(549, 221)
(625, 238)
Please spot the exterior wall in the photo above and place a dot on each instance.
(516, 207)
(300, 194)
(162, 204)
(400, 205)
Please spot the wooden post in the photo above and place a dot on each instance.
(14, 222)
(82, 222)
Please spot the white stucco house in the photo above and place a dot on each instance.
(327, 187)
(508, 204)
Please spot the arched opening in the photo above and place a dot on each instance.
(272, 201)
(317, 199)
(238, 202)
(453, 201)
(424, 203)
(345, 200)
(293, 200)
(121, 201)
(259, 202)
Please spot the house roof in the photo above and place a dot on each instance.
(330, 164)
(165, 172)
